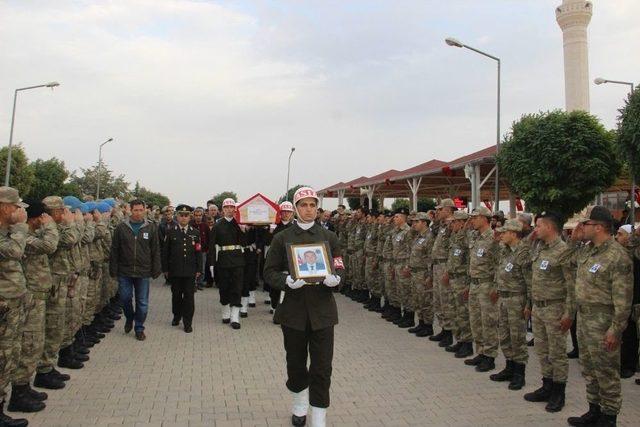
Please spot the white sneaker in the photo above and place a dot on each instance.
(226, 313)
(318, 417)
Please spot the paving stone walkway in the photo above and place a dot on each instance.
(215, 376)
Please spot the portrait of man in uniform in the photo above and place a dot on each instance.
(310, 260)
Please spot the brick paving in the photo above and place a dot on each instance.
(215, 376)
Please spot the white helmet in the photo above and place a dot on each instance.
(286, 206)
(303, 193)
(229, 202)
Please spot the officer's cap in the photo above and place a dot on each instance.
(184, 209)
(510, 225)
(403, 211)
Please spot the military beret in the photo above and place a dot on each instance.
(35, 209)
(600, 214)
(72, 201)
(184, 209)
(556, 217)
(103, 207)
(403, 211)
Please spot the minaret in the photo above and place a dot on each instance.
(573, 17)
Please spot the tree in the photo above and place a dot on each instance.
(110, 186)
(628, 135)
(290, 193)
(354, 203)
(151, 198)
(558, 161)
(400, 203)
(49, 178)
(426, 204)
(21, 176)
(219, 198)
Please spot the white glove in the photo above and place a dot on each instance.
(295, 284)
(332, 280)
(211, 270)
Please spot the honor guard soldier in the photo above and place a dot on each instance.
(182, 265)
(307, 314)
(286, 220)
(226, 251)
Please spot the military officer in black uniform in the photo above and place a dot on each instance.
(286, 219)
(226, 252)
(307, 314)
(182, 263)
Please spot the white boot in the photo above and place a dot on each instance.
(226, 313)
(300, 403)
(252, 299)
(245, 303)
(235, 317)
(281, 297)
(318, 417)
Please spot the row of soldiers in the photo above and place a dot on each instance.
(57, 299)
(483, 285)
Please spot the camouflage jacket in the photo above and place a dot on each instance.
(382, 234)
(552, 275)
(371, 240)
(401, 242)
(360, 236)
(40, 244)
(60, 260)
(604, 277)
(513, 273)
(96, 248)
(440, 251)
(12, 243)
(483, 257)
(420, 257)
(458, 260)
(351, 235)
(387, 246)
(85, 245)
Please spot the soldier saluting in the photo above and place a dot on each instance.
(182, 263)
(307, 314)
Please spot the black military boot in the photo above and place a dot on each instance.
(446, 340)
(396, 316)
(7, 421)
(556, 400)
(48, 381)
(505, 375)
(517, 381)
(606, 420)
(66, 360)
(427, 331)
(438, 336)
(77, 356)
(408, 320)
(379, 308)
(21, 401)
(588, 419)
(474, 361)
(542, 394)
(416, 328)
(466, 350)
(453, 348)
(37, 395)
(369, 302)
(60, 375)
(375, 305)
(79, 348)
(298, 421)
(486, 364)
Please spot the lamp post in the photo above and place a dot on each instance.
(599, 81)
(100, 168)
(13, 118)
(286, 192)
(456, 43)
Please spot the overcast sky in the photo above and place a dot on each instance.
(206, 96)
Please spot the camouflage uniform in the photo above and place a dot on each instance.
(420, 264)
(360, 234)
(350, 232)
(442, 294)
(603, 292)
(401, 241)
(458, 269)
(13, 292)
(371, 276)
(387, 266)
(513, 276)
(55, 315)
(378, 289)
(96, 258)
(552, 295)
(40, 244)
(77, 285)
(483, 314)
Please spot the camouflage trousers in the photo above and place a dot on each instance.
(109, 287)
(11, 320)
(422, 298)
(550, 341)
(357, 263)
(483, 317)
(372, 276)
(55, 323)
(32, 344)
(403, 284)
(74, 310)
(390, 286)
(461, 326)
(442, 296)
(600, 368)
(513, 328)
(346, 258)
(94, 288)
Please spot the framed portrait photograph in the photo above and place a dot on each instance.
(311, 262)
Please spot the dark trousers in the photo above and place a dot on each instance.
(629, 348)
(207, 274)
(274, 296)
(182, 289)
(230, 282)
(574, 334)
(249, 279)
(319, 346)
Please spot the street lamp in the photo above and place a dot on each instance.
(450, 41)
(13, 118)
(99, 168)
(599, 81)
(286, 193)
